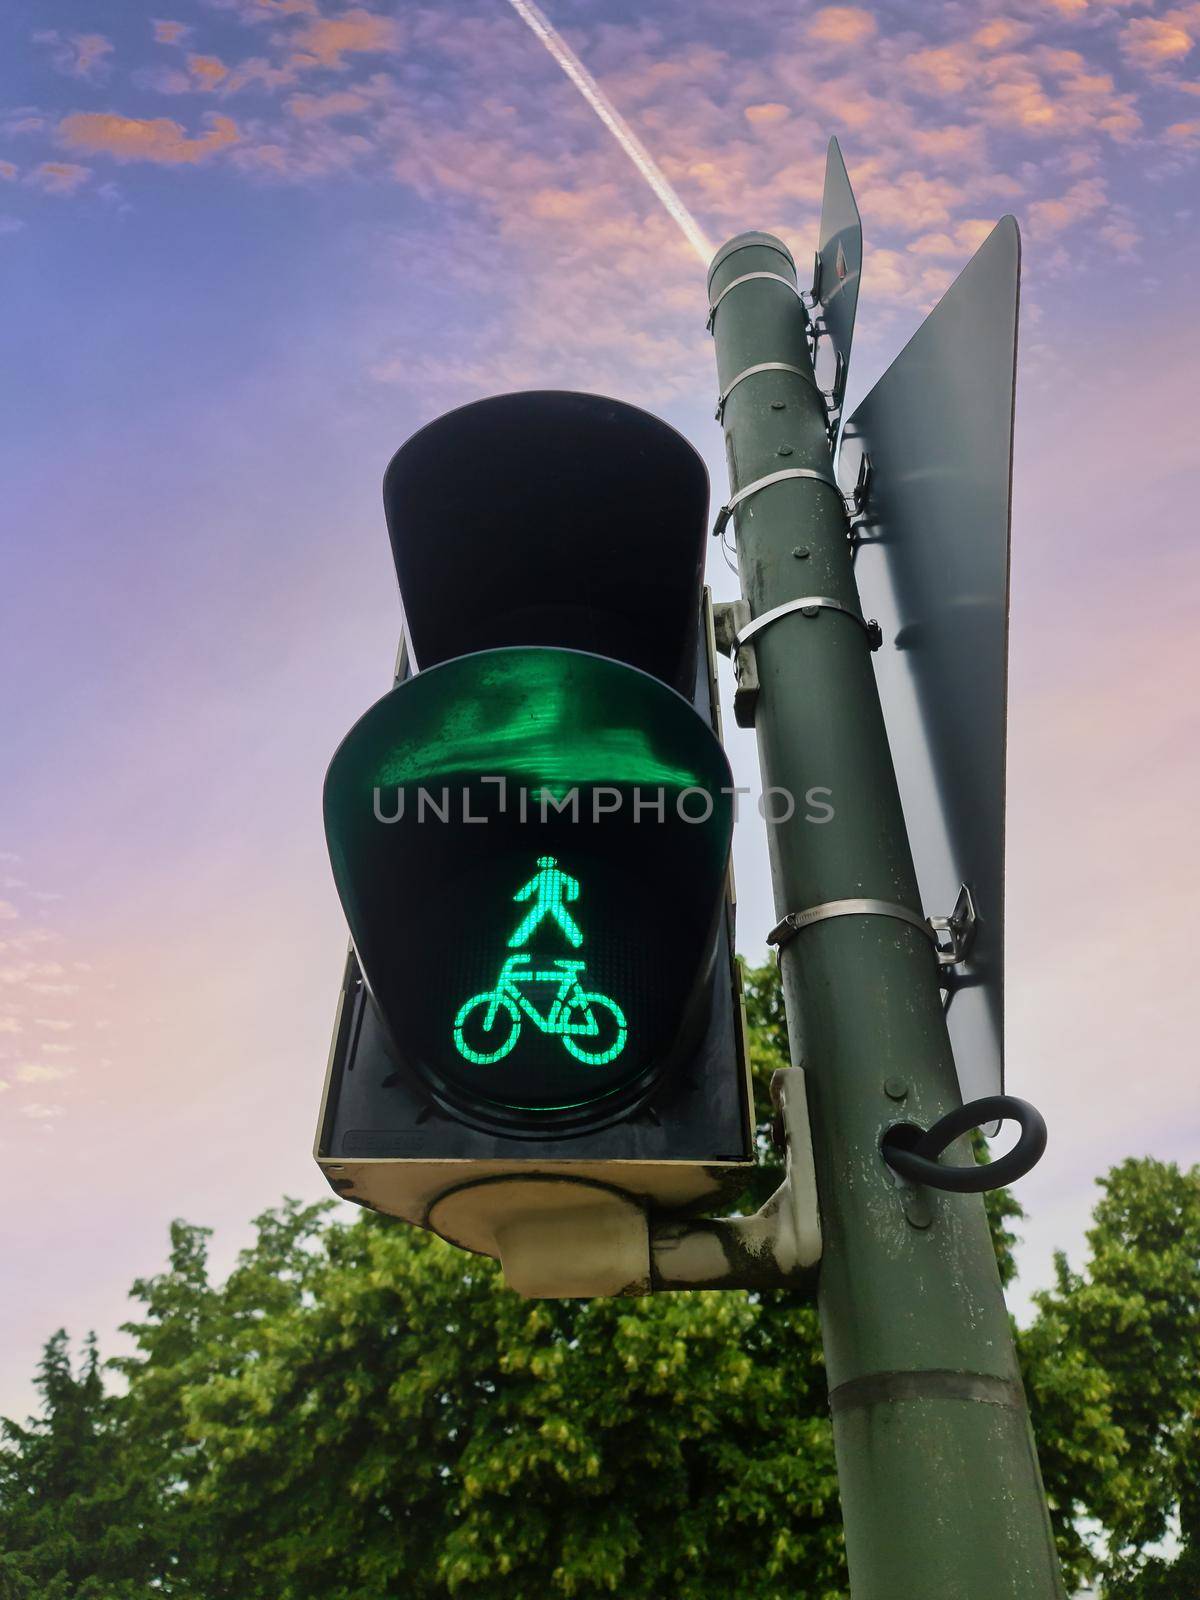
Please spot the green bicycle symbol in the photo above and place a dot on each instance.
(488, 1025)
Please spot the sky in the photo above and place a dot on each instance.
(248, 246)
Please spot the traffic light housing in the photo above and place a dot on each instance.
(530, 834)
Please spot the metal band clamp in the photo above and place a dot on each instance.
(734, 501)
(748, 277)
(959, 927)
(788, 927)
(809, 604)
(763, 366)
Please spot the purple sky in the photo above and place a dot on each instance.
(248, 246)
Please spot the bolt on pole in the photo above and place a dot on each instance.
(940, 1487)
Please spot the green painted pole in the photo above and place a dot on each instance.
(940, 1488)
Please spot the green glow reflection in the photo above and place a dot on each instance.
(544, 715)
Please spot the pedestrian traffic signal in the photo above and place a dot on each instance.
(449, 808)
(531, 839)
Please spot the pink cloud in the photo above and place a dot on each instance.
(325, 41)
(999, 32)
(320, 108)
(42, 1072)
(166, 80)
(264, 10)
(767, 114)
(170, 32)
(209, 72)
(1119, 231)
(59, 177)
(909, 201)
(1082, 199)
(79, 55)
(895, 282)
(1076, 103)
(841, 25)
(925, 130)
(309, 149)
(948, 69)
(966, 239)
(970, 233)
(1155, 41)
(157, 140)
(933, 244)
(955, 144)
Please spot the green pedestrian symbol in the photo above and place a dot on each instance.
(553, 888)
(590, 1026)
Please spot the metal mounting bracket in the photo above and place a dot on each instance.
(837, 393)
(777, 1246)
(729, 617)
(856, 501)
(558, 1237)
(734, 628)
(955, 935)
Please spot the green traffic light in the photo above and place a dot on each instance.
(552, 887)
(572, 1015)
(536, 964)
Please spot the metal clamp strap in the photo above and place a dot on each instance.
(763, 366)
(786, 930)
(810, 603)
(748, 277)
(734, 501)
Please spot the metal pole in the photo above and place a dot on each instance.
(940, 1488)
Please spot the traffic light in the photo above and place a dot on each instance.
(530, 834)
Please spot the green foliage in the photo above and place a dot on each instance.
(766, 1031)
(67, 1529)
(1115, 1353)
(414, 1428)
(360, 1412)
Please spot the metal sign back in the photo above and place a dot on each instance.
(838, 267)
(933, 568)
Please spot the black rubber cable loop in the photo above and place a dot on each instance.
(913, 1151)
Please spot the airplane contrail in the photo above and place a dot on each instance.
(612, 119)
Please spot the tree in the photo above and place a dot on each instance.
(1121, 1339)
(66, 1529)
(193, 1335)
(418, 1429)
